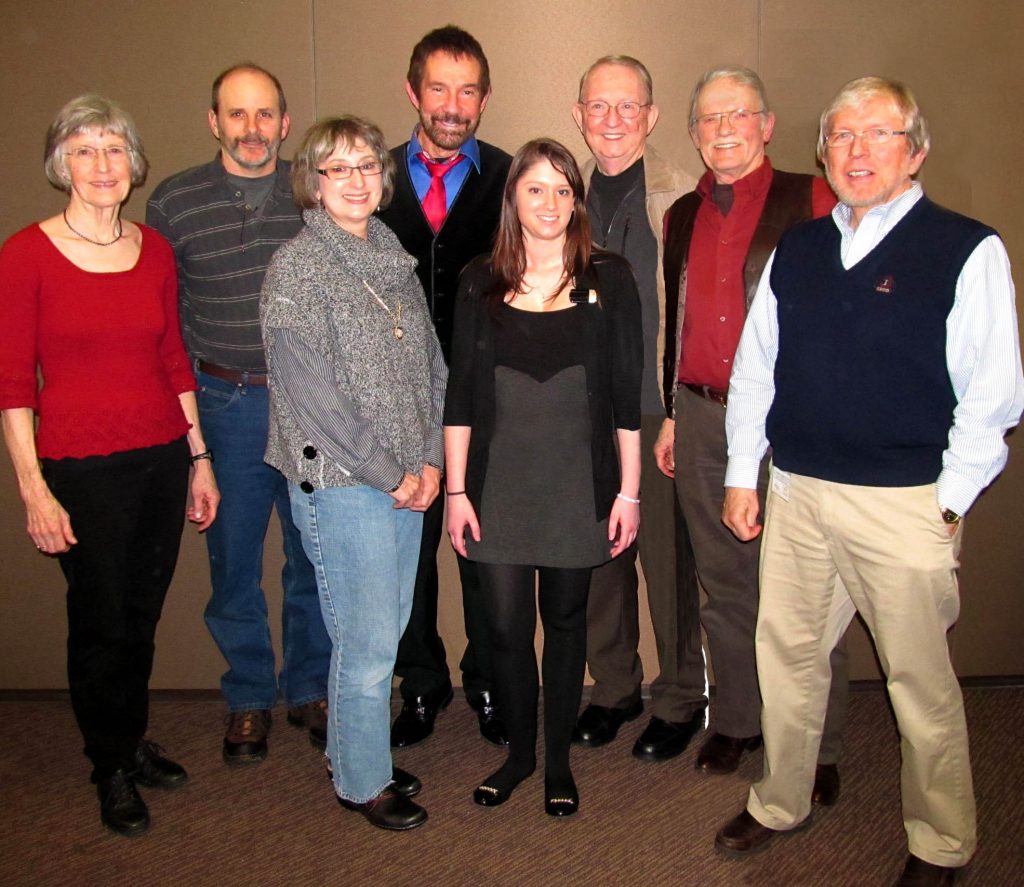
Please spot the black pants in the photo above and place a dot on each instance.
(127, 511)
(508, 592)
(421, 659)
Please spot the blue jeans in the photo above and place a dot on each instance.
(235, 420)
(364, 552)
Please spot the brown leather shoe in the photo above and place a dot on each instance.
(918, 873)
(744, 834)
(389, 810)
(826, 785)
(245, 741)
(721, 753)
(313, 716)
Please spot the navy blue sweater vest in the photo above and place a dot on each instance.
(862, 391)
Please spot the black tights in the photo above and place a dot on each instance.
(508, 594)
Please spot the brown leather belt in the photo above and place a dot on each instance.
(708, 393)
(235, 377)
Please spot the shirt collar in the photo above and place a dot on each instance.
(470, 149)
(752, 185)
(884, 217)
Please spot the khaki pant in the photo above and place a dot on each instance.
(898, 565)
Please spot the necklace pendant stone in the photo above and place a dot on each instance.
(399, 332)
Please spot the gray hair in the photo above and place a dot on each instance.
(88, 112)
(626, 61)
(319, 143)
(864, 89)
(740, 74)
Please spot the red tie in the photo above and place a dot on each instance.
(435, 201)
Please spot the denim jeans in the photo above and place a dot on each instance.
(235, 420)
(364, 552)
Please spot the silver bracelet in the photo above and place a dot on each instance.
(626, 498)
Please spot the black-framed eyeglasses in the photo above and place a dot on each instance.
(338, 172)
(626, 110)
(877, 135)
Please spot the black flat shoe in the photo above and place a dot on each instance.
(401, 781)
(497, 788)
(389, 810)
(489, 796)
(561, 798)
(153, 770)
(121, 808)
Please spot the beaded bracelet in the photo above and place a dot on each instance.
(626, 498)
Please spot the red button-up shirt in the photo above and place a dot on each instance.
(715, 291)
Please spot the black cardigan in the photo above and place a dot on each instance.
(614, 368)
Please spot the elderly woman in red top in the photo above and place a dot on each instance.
(89, 302)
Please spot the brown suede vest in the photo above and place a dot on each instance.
(788, 202)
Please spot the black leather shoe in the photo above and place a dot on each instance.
(666, 739)
(918, 873)
(402, 782)
(721, 753)
(826, 785)
(492, 727)
(561, 798)
(744, 834)
(389, 810)
(598, 725)
(153, 770)
(121, 808)
(415, 722)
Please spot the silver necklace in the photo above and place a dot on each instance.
(120, 231)
(395, 315)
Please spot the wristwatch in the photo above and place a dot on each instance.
(950, 517)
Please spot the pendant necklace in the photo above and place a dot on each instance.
(396, 315)
(120, 231)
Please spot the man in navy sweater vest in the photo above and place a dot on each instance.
(448, 189)
(880, 360)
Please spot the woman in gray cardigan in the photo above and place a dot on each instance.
(357, 384)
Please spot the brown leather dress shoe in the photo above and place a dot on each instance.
(245, 741)
(918, 873)
(313, 716)
(721, 753)
(744, 834)
(826, 785)
(389, 810)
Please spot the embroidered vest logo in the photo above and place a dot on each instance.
(885, 285)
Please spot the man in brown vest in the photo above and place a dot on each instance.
(717, 240)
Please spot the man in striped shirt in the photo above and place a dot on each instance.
(225, 219)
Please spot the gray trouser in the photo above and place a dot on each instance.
(612, 612)
(728, 571)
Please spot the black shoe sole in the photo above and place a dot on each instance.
(236, 760)
(654, 756)
(125, 832)
(166, 786)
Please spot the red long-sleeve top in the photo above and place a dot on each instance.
(108, 347)
(715, 289)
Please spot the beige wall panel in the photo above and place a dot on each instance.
(158, 60)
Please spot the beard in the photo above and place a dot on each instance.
(450, 140)
(237, 149)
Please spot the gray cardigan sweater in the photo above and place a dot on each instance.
(349, 402)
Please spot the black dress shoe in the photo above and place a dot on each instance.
(561, 797)
(662, 740)
(744, 834)
(153, 770)
(121, 808)
(415, 722)
(402, 782)
(598, 725)
(389, 810)
(826, 785)
(721, 753)
(918, 873)
(492, 727)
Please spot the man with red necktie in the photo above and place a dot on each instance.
(445, 210)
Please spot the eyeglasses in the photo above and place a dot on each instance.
(339, 171)
(879, 135)
(626, 110)
(88, 154)
(738, 117)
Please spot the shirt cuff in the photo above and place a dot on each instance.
(381, 471)
(742, 472)
(955, 492)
